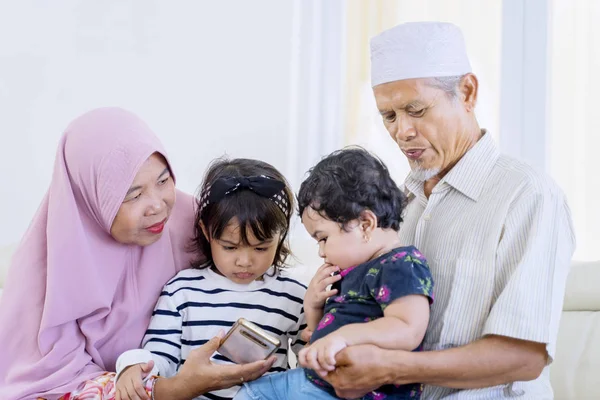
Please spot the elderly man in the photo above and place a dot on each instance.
(497, 234)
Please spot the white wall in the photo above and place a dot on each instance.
(208, 77)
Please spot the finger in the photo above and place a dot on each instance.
(322, 357)
(147, 367)
(327, 294)
(140, 391)
(261, 372)
(118, 394)
(302, 357)
(326, 272)
(311, 358)
(131, 392)
(323, 266)
(248, 372)
(342, 358)
(323, 274)
(306, 335)
(208, 348)
(331, 280)
(330, 359)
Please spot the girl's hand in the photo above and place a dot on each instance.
(130, 384)
(316, 294)
(199, 375)
(320, 356)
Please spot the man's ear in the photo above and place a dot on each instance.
(468, 89)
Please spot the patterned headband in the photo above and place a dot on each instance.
(262, 185)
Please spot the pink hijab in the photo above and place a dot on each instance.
(75, 298)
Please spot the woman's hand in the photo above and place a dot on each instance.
(130, 385)
(199, 375)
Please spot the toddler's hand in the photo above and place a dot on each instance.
(306, 334)
(130, 384)
(316, 294)
(320, 355)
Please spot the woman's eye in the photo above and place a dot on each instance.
(261, 249)
(323, 240)
(133, 198)
(163, 181)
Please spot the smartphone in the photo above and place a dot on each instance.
(245, 342)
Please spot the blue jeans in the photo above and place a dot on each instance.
(289, 385)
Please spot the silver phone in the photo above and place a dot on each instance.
(245, 343)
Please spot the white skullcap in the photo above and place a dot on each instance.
(418, 50)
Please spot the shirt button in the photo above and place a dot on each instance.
(427, 217)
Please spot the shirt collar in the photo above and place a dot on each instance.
(468, 176)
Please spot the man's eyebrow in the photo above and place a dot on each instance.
(407, 106)
(414, 104)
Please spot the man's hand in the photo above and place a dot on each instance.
(362, 369)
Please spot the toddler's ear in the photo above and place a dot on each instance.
(368, 221)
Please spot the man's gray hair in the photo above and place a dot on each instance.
(448, 84)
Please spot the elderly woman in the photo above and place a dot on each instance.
(83, 282)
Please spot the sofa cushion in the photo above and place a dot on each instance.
(574, 373)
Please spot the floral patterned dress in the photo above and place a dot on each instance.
(364, 293)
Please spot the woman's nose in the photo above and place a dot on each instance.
(157, 203)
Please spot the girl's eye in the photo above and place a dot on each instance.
(323, 240)
(228, 248)
(163, 181)
(261, 249)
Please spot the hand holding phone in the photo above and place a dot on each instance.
(245, 343)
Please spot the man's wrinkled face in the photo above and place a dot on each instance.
(427, 123)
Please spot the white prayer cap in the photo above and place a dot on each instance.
(418, 50)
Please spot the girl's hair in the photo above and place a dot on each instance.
(349, 181)
(257, 214)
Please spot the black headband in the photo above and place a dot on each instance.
(262, 185)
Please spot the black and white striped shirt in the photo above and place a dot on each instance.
(196, 304)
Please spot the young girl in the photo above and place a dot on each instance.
(351, 206)
(242, 220)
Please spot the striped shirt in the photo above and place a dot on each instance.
(499, 239)
(196, 304)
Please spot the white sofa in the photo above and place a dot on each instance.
(576, 371)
